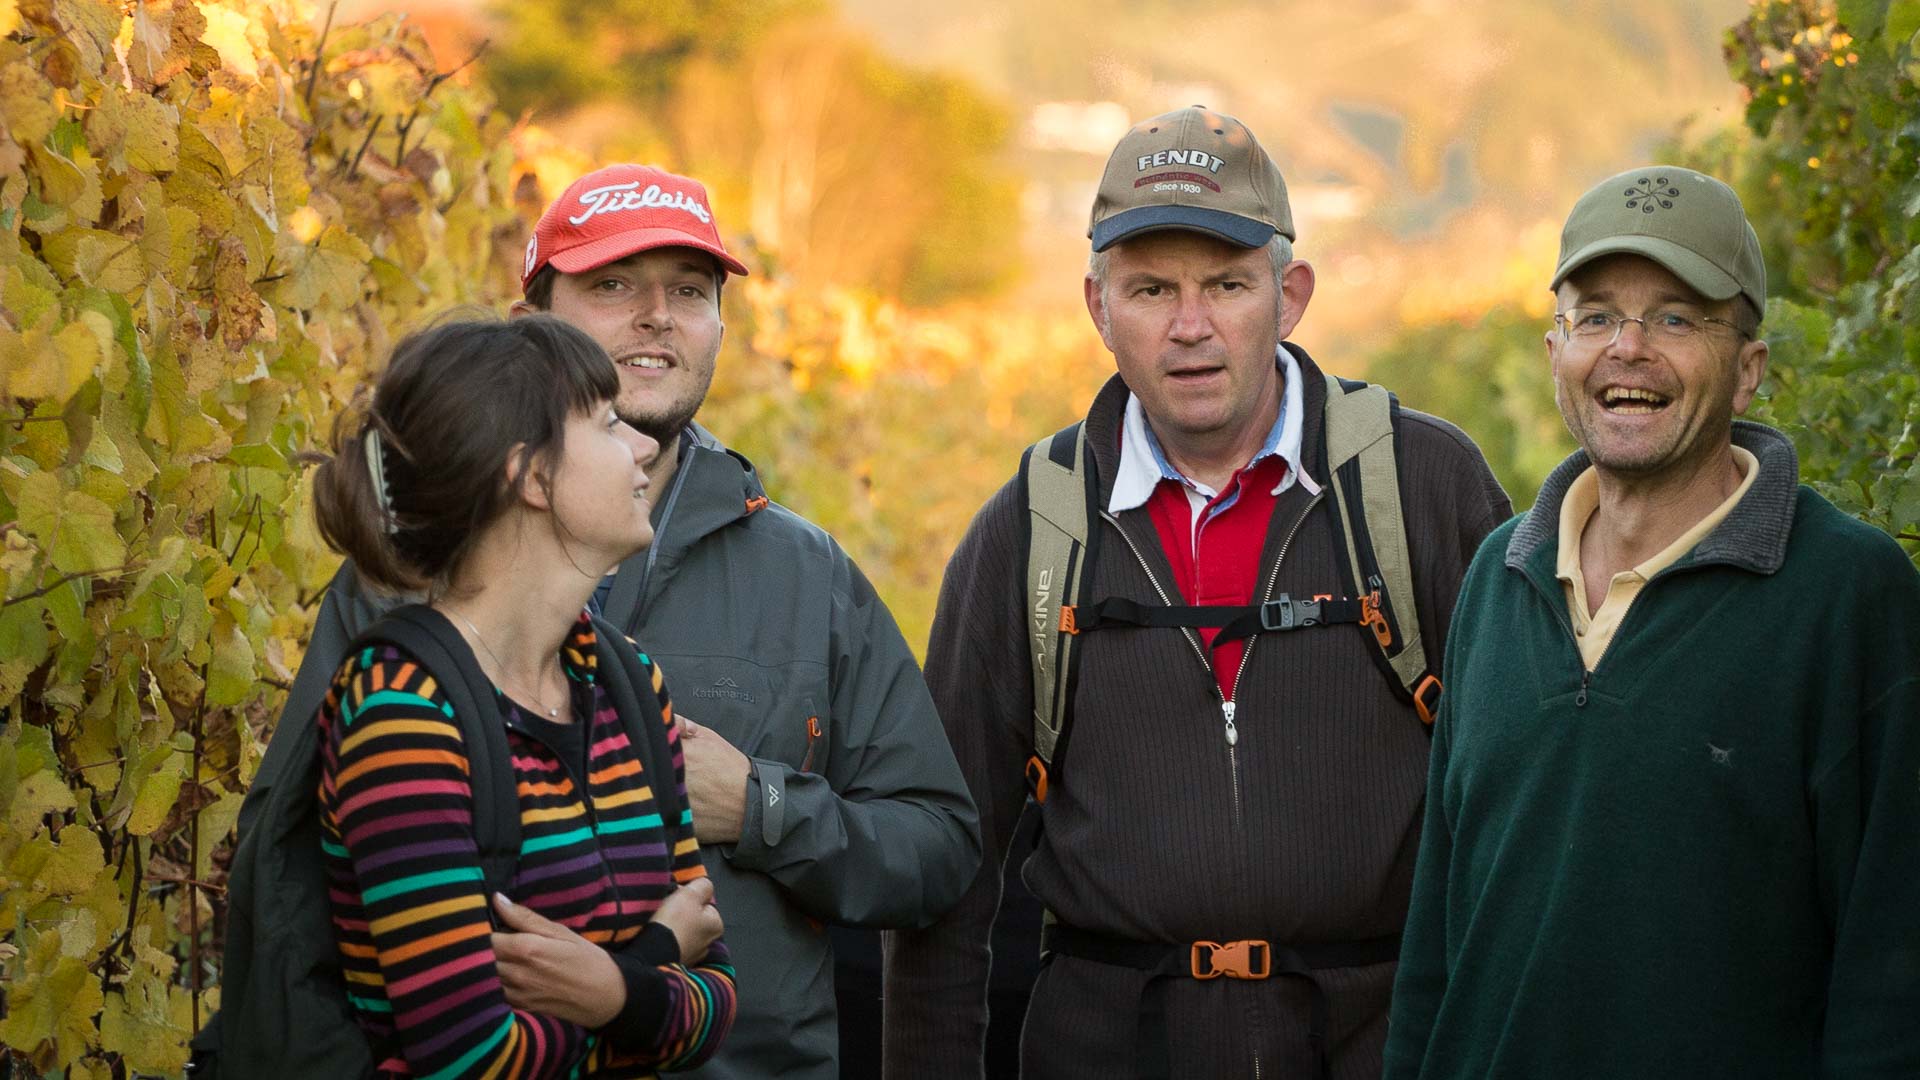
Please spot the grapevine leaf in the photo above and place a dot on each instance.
(76, 527)
(139, 1023)
(163, 769)
(230, 678)
(51, 1005)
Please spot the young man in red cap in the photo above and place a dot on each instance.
(821, 784)
(1228, 838)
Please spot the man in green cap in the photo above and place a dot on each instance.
(1673, 815)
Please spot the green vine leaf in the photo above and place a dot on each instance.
(51, 1006)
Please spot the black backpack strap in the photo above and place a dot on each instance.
(428, 637)
(625, 679)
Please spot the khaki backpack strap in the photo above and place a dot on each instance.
(1360, 455)
(1055, 475)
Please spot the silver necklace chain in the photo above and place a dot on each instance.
(552, 713)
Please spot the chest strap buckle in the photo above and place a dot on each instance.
(1287, 613)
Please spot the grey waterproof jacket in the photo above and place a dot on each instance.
(768, 634)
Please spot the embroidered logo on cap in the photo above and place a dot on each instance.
(1198, 159)
(1182, 181)
(1648, 196)
(533, 254)
(620, 197)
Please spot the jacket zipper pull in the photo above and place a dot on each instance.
(813, 736)
(1227, 710)
(1580, 699)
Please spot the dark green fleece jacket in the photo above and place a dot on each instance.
(1703, 858)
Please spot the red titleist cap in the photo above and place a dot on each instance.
(611, 213)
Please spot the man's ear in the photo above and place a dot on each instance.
(1097, 310)
(1296, 289)
(520, 309)
(1751, 361)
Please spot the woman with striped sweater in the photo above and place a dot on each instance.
(490, 474)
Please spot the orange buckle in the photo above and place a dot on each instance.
(813, 727)
(1068, 623)
(1427, 690)
(1234, 959)
(1375, 620)
(1037, 778)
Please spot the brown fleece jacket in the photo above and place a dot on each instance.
(1154, 830)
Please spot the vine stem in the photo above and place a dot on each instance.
(319, 55)
(193, 860)
(103, 572)
(182, 879)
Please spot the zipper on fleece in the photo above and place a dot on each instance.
(1229, 706)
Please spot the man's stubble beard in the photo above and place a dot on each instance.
(663, 421)
(662, 427)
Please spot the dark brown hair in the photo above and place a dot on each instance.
(540, 288)
(453, 404)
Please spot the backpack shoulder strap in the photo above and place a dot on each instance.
(430, 638)
(628, 685)
(1060, 490)
(1362, 423)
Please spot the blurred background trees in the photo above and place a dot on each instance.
(843, 166)
(1829, 169)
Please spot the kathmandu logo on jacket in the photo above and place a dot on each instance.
(619, 197)
(724, 687)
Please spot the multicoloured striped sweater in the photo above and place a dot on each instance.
(408, 896)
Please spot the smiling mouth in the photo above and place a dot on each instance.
(1632, 401)
(645, 363)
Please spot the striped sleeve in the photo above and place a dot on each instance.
(412, 912)
(699, 999)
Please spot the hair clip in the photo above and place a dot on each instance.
(377, 468)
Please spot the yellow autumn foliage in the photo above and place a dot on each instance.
(208, 236)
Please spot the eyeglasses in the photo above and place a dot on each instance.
(1599, 328)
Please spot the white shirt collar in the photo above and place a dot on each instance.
(1143, 466)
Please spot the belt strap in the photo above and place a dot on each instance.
(1162, 961)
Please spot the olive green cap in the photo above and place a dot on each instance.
(1193, 169)
(1686, 221)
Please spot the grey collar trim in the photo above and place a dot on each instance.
(703, 437)
(1753, 537)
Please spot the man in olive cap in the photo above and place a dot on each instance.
(1228, 837)
(1673, 818)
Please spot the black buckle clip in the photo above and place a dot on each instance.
(1287, 613)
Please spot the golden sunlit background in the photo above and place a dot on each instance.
(217, 215)
(914, 182)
